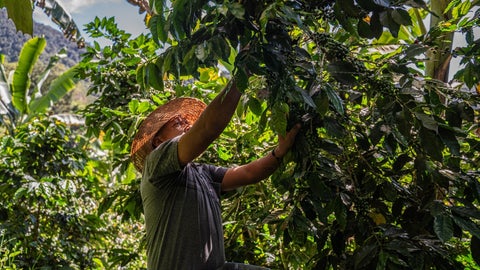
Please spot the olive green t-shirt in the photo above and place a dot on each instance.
(182, 211)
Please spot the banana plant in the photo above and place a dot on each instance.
(20, 99)
(20, 12)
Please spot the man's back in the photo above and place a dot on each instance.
(182, 212)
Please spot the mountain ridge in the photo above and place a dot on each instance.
(11, 42)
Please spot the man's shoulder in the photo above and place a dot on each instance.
(163, 160)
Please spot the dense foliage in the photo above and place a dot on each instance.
(51, 188)
(52, 182)
(53, 178)
(386, 162)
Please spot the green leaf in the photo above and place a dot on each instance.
(343, 20)
(255, 106)
(342, 71)
(157, 6)
(400, 162)
(221, 49)
(20, 11)
(231, 58)
(157, 28)
(133, 106)
(180, 18)
(364, 29)
(52, 62)
(319, 189)
(461, 9)
(130, 175)
(139, 75)
(432, 144)
(306, 97)
(292, 15)
(475, 249)
(365, 255)
(279, 117)
(106, 203)
(237, 10)
(31, 50)
(453, 115)
(268, 13)
(349, 7)
(340, 212)
(414, 50)
(321, 102)
(224, 153)
(330, 147)
(19, 193)
(382, 260)
(154, 76)
(6, 106)
(427, 121)
(401, 16)
(470, 36)
(168, 60)
(443, 227)
(467, 225)
(241, 79)
(59, 87)
(388, 21)
(469, 74)
(449, 139)
(334, 128)
(334, 99)
(376, 25)
(466, 211)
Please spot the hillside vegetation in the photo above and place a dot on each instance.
(11, 42)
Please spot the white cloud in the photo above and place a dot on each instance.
(40, 17)
(77, 6)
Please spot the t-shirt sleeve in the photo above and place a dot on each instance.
(162, 163)
(217, 173)
(216, 177)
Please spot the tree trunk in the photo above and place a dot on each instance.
(437, 66)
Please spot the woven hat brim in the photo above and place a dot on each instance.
(188, 108)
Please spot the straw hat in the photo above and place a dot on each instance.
(188, 108)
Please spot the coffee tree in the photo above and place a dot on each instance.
(52, 177)
(384, 173)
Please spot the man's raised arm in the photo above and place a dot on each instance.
(209, 125)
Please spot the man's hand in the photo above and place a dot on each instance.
(286, 142)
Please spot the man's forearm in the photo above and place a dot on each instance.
(219, 112)
(251, 173)
(263, 167)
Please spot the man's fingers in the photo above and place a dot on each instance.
(294, 131)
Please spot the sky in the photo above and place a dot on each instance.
(85, 11)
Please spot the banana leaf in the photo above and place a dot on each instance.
(31, 50)
(59, 87)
